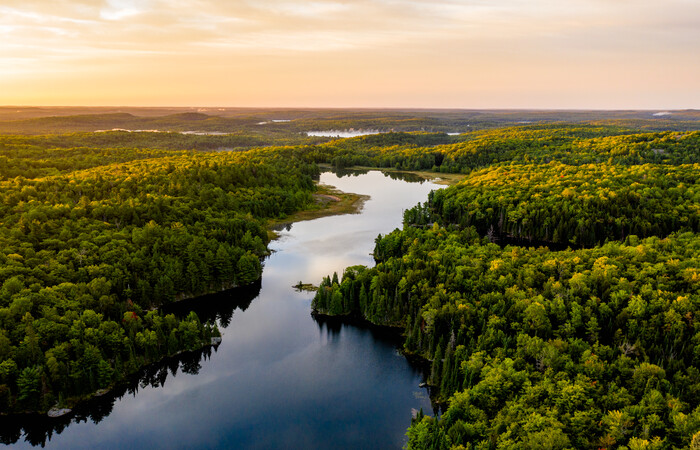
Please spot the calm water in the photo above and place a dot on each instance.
(342, 133)
(280, 379)
(354, 133)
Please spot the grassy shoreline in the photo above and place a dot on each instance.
(331, 202)
(328, 201)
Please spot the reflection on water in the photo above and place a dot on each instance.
(332, 327)
(38, 429)
(216, 307)
(409, 177)
(281, 378)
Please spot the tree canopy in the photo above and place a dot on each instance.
(95, 241)
(554, 290)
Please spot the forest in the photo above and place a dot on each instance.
(553, 291)
(593, 202)
(96, 241)
(533, 144)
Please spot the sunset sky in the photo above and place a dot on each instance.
(602, 54)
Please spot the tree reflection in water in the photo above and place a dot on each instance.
(38, 429)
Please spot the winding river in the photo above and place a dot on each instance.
(280, 378)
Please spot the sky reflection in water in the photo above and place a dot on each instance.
(280, 379)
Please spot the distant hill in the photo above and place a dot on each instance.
(52, 120)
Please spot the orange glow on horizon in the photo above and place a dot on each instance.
(368, 53)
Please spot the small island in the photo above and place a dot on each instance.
(306, 287)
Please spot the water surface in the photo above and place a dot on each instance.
(355, 133)
(280, 378)
(343, 133)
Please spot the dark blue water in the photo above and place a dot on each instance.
(280, 378)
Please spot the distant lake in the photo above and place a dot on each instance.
(280, 378)
(356, 133)
(274, 121)
(198, 133)
(206, 133)
(343, 133)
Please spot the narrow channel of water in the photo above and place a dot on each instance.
(280, 378)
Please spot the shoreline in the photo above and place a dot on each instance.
(396, 332)
(328, 202)
(445, 179)
(69, 406)
(333, 202)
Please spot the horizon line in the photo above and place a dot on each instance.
(361, 108)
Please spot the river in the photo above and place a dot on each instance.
(280, 378)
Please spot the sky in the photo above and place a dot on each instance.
(554, 54)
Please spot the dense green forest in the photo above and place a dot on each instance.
(97, 240)
(581, 348)
(595, 345)
(533, 144)
(590, 346)
(578, 205)
(148, 140)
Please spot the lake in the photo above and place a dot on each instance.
(280, 378)
(343, 133)
(356, 133)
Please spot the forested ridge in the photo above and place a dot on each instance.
(95, 241)
(285, 122)
(533, 144)
(579, 205)
(592, 346)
